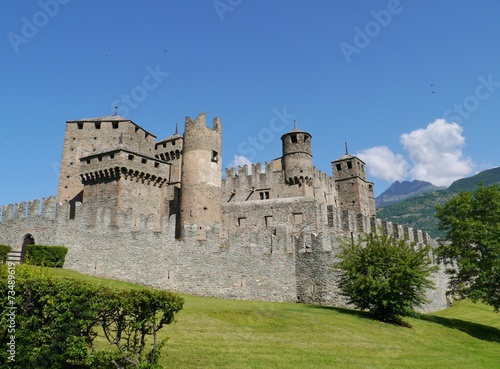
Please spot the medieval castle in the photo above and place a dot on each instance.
(160, 213)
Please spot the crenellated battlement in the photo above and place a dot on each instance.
(29, 210)
(169, 149)
(322, 177)
(256, 169)
(201, 122)
(119, 163)
(105, 124)
(362, 224)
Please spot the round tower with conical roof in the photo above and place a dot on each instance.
(297, 157)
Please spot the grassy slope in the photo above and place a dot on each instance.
(216, 333)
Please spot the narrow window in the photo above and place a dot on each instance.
(215, 156)
(80, 125)
(131, 157)
(297, 218)
(338, 166)
(112, 156)
(294, 138)
(99, 158)
(349, 165)
(242, 222)
(144, 161)
(157, 165)
(269, 220)
(115, 125)
(97, 125)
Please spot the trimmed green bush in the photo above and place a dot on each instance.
(4, 251)
(49, 256)
(56, 321)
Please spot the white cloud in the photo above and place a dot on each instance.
(382, 163)
(240, 160)
(436, 153)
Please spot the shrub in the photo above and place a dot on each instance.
(4, 251)
(385, 276)
(49, 256)
(58, 319)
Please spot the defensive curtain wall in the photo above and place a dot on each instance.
(287, 259)
(159, 213)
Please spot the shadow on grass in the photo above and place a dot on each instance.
(479, 331)
(361, 314)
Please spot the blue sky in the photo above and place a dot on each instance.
(412, 86)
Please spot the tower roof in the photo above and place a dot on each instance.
(106, 118)
(296, 130)
(171, 137)
(345, 156)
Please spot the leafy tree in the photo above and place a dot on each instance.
(129, 317)
(471, 248)
(385, 276)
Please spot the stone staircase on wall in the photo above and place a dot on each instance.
(14, 257)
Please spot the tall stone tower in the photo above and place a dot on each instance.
(201, 176)
(91, 136)
(354, 190)
(297, 157)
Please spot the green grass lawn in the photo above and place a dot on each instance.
(217, 333)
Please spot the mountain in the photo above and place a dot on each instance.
(400, 191)
(486, 177)
(418, 211)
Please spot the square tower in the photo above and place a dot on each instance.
(354, 191)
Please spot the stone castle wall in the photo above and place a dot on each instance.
(273, 262)
(248, 184)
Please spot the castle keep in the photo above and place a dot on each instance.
(160, 213)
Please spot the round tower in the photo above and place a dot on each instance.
(297, 157)
(201, 174)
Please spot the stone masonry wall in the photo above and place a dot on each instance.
(245, 185)
(88, 137)
(273, 263)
